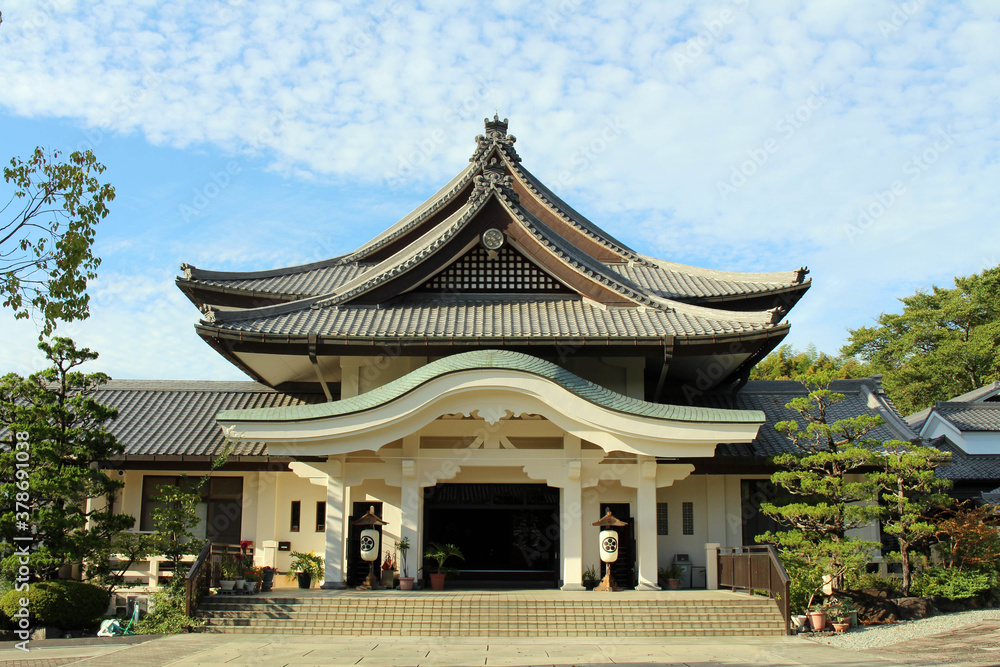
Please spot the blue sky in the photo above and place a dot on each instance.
(857, 138)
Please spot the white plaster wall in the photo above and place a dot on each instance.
(290, 487)
(694, 489)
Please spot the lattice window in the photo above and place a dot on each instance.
(508, 272)
(662, 524)
(687, 518)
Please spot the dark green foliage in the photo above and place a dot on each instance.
(866, 580)
(910, 493)
(167, 617)
(946, 342)
(787, 363)
(61, 603)
(68, 442)
(951, 583)
(46, 253)
(824, 472)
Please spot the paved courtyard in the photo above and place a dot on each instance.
(976, 644)
(218, 650)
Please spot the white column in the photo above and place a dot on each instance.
(410, 503)
(712, 566)
(571, 527)
(267, 504)
(715, 508)
(336, 518)
(645, 524)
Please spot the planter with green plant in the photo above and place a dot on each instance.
(439, 553)
(306, 567)
(590, 578)
(405, 580)
(228, 573)
(669, 577)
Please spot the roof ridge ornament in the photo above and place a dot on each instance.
(493, 178)
(496, 136)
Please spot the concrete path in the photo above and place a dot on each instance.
(239, 650)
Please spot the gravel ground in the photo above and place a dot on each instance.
(875, 636)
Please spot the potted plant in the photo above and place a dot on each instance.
(388, 571)
(228, 571)
(267, 577)
(817, 618)
(306, 567)
(670, 577)
(253, 578)
(439, 553)
(590, 579)
(405, 581)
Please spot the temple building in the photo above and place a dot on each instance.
(492, 371)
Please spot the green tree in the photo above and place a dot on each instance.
(46, 249)
(825, 472)
(911, 492)
(71, 511)
(787, 363)
(174, 521)
(946, 342)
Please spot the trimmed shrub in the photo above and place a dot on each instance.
(61, 603)
(951, 583)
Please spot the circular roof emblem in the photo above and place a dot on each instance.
(492, 238)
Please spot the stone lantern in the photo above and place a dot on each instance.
(609, 547)
(370, 548)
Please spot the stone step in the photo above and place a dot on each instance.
(429, 615)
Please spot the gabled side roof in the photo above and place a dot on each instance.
(987, 393)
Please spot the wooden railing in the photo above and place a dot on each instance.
(204, 573)
(756, 569)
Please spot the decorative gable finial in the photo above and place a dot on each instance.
(496, 128)
(496, 136)
(493, 179)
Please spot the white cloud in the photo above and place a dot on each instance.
(354, 92)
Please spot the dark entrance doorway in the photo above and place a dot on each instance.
(509, 533)
(623, 569)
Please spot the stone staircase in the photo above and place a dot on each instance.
(494, 614)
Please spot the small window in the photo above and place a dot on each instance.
(296, 515)
(687, 518)
(662, 524)
(320, 516)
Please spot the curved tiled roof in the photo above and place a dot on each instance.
(647, 276)
(490, 316)
(495, 360)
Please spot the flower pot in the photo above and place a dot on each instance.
(406, 583)
(799, 622)
(227, 584)
(437, 582)
(241, 584)
(817, 620)
(305, 579)
(590, 585)
(673, 584)
(268, 580)
(841, 627)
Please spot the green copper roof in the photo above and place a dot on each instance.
(499, 360)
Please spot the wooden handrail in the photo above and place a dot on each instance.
(757, 568)
(195, 573)
(191, 580)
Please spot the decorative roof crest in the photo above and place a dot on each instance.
(494, 178)
(496, 135)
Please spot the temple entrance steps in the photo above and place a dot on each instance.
(495, 614)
